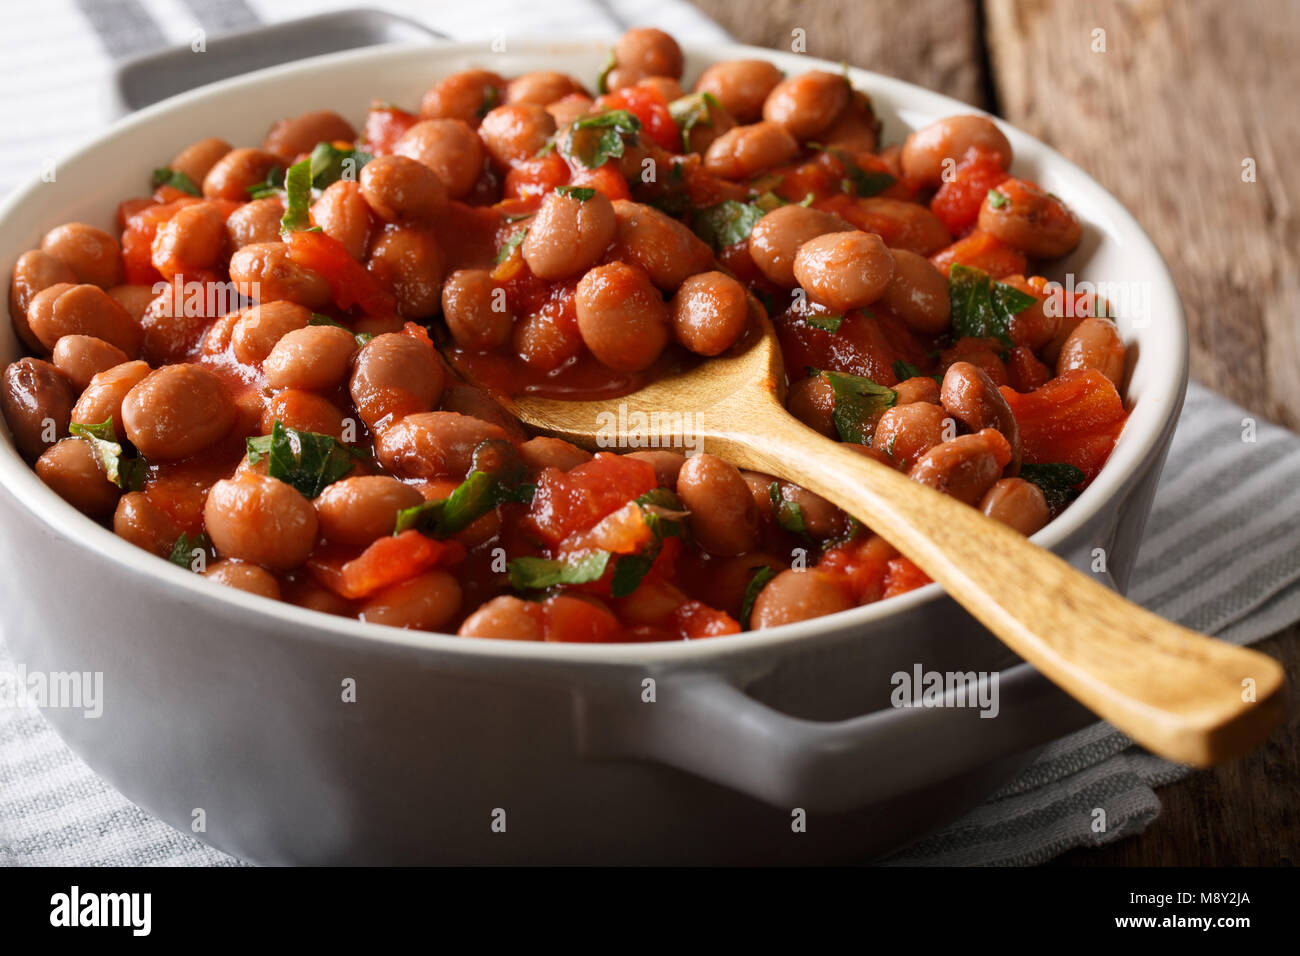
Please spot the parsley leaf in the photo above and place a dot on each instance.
(494, 480)
(788, 513)
(537, 574)
(628, 572)
(166, 176)
(982, 308)
(308, 461)
(1058, 481)
(996, 199)
(183, 550)
(858, 403)
(602, 81)
(513, 243)
(580, 193)
(329, 164)
(595, 140)
(857, 181)
(690, 111)
(762, 574)
(827, 323)
(726, 223)
(127, 473)
(297, 186)
(270, 186)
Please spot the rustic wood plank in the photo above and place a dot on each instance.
(933, 43)
(1164, 118)
(1240, 814)
(1183, 94)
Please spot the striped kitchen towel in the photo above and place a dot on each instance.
(1226, 564)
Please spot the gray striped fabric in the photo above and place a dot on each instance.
(1222, 552)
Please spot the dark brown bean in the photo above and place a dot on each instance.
(37, 400)
(971, 397)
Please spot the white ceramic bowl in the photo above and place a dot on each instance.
(223, 700)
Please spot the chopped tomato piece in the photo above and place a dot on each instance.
(860, 566)
(138, 236)
(385, 125)
(605, 179)
(649, 106)
(386, 562)
(981, 251)
(1024, 370)
(574, 620)
(350, 283)
(903, 576)
(1075, 418)
(536, 176)
(571, 501)
(957, 203)
(694, 620)
(622, 532)
(866, 345)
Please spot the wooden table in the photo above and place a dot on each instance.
(1167, 104)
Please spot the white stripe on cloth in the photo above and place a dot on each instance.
(1219, 498)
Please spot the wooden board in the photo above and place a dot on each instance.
(933, 43)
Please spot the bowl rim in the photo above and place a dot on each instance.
(1124, 465)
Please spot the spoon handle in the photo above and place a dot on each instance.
(1182, 695)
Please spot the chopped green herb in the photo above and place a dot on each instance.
(318, 319)
(270, 186)
(690, 111)
(127, 473)
(308, 461)
(517, 217)
(183, 550)
(982, 308)
(602, 81)
(1059, 482)
(827, 323)
(580, 193)
(807, 200)
(595, 140)
(859, 402)
(513, 243)
(904, 370)
(329, 164)
(297, 186)
(768, 201)
(996, 199)
(629, 571)
(788, 513)
(491, 97)
(727, 223)
(165, 176)
(537, 574)
(857, 181)
(762, 574)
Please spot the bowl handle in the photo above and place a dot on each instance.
(704, 724)
(150, 77)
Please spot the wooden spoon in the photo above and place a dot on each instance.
(1182, 695)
